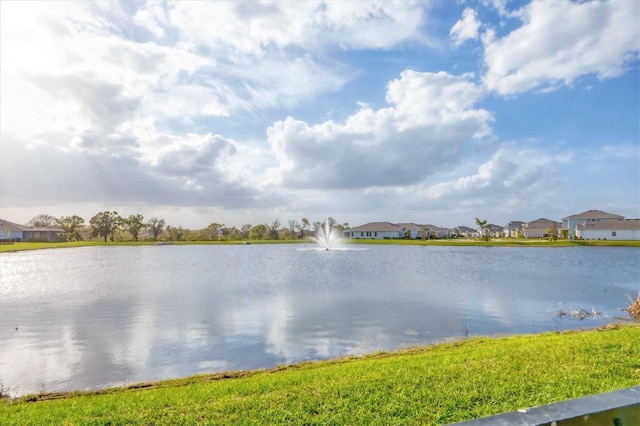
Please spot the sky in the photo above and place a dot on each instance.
(433, 112)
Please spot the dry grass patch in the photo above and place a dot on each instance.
(634, 308)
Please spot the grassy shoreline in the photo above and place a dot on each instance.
(444, 383)
(504, 242)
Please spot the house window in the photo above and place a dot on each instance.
(362, 234)
(375, 234)
(613, 233)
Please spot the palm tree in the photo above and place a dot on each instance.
(481, 224)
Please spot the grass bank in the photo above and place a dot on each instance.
(513, 242)
(438, 384)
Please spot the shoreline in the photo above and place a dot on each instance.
(442, 383)
(513, 242)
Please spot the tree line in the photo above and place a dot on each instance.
(110, 226)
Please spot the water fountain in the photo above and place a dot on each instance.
(326, 236)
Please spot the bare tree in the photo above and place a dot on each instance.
(273, 229)
(302, 227)
(42, 221)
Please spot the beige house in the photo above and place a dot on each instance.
(540, 227)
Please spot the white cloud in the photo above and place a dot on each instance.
(424, 130)
(466, 28)
(309, 24)
(560, 41)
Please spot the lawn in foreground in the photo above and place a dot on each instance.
(432, 385)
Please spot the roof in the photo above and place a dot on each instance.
(611, 224)
(594, 214)
(513, 224)
(465, 229)
(7, 226)
(376, 227)
(541, 223)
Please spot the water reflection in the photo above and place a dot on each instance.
(102, 316)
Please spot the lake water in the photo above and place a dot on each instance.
(86, 318)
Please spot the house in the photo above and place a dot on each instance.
(432, 231)
(513, 229)
(540, 227)
(494, 230)
(412, 230)
(571, 222)
(375, 230)
(464, 231)
(611, 229)
(10, 231)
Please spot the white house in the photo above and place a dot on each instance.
(612, 229)
(465, 231)
(513, 228)
(375, 230)
(571, 222)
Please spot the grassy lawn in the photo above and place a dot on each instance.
(438, 384)
(512, 242)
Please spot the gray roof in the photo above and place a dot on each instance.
(594, 214)
(611, 224)
(376, 227)
(541, 223)
(7, 226)
(466, 229)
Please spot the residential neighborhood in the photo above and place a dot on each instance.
(588, 225)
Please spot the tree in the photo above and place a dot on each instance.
(245, 230)
(105, 224)
(156, 226)
(212, 230)
(133, 225)
(42, 221)
(552, 231)
(303, 226)
(482, 224)
(71, 225)
(273, 229)
(258, 232)
(175, 234)
(293, 226)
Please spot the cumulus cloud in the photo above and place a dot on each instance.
(509, 173)
(560, 42)
(430, 117)
(466, 28)
(183, 174)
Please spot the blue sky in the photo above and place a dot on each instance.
(242, 112)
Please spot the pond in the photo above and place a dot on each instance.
(91, 317)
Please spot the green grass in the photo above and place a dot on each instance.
(512, 242)
(439, 384)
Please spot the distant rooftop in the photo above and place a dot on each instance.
(594, 214)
